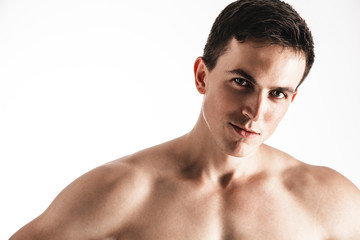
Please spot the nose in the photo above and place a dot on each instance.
(254, 107)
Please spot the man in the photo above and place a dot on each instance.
(219, 181)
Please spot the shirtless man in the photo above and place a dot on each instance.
(219, 181)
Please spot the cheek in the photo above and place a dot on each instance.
(212, 107)
(275, 114)
(218, 99)
(217, 105)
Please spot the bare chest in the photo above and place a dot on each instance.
(240, 214)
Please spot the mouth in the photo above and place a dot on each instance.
(245, 132)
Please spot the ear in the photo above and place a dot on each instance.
(200, 75)
(293, 97)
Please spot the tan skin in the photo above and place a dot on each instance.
(217, 182)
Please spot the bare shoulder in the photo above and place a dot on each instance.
(326, 194)
(95, 206)
(319, 181)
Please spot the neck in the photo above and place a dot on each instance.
(205, 159)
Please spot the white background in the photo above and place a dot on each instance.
(83, 82)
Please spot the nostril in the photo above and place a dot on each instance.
(247, 117)
(248, 114)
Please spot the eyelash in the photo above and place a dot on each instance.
(237, 81)
(245, 83)
(284, 94)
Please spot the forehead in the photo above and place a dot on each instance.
(270, 64)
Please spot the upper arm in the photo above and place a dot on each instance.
(96, 205)
(329, 197)
(339, 205)
(346, 210)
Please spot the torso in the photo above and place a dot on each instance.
(261, 207)
(254, 212)
(156, 194)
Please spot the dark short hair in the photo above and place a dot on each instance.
(271, 21)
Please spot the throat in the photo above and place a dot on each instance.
(225, 180)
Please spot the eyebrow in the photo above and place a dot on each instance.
(241, 72)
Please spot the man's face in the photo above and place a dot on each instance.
(247, 93)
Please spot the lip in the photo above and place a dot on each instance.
(245, 132)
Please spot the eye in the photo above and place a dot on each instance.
(242, 82)
(278, 94)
